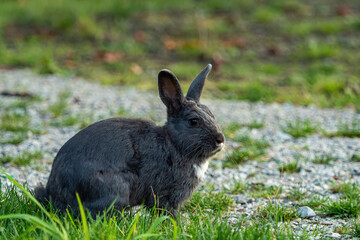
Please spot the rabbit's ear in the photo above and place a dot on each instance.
(170, 90)
(197, 85)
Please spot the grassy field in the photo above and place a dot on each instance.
(299, 51)
(304, 52)
(209, 214)
(204, 217)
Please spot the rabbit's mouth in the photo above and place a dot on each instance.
(221, 146)
(218, 148)
(212, 151)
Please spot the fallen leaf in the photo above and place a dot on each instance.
(170, 44)
(343, 10)
(274, 50)
(109, 57)
(217, 61)
(336, 178)
(140, 36)
(136, 69)
(70, 64)
(236, 42)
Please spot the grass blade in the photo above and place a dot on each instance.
(83, 218)
(55, 222)
(49, 228)
(152, 228)
(32, 198)
(176, 230)
(133, 227)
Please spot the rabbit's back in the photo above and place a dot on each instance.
(106, 154)
(110, 141)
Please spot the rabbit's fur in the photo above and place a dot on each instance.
(132, 161)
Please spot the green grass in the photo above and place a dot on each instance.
(230, 130)
(59, 108)
(80, 121)
(270, 192)
(61, 117)
(16, 119)
(208, 201)
(250, 149)
(343, 208)
(314, 201)
(291, 167)
(300, 128)
(314, 50)
(236, 158)
(255, 124)
(237, 187)
(122, 112)
(356, 226)
(355, 158)
(277, 212)
(124, 44)
(350, 190)
(296, 195)
(22, 216)
(22, 160)
(351, 130)
(204, 217)
(254, 190)
(15, 138)
(15, 122)
(324, 159)
(343, 230)
(349, 203)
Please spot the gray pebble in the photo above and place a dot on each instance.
(306, 212)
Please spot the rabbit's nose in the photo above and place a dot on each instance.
(220, 138)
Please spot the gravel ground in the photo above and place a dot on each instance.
(97, 102)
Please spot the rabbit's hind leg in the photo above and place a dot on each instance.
(108, 189)
(100, 205)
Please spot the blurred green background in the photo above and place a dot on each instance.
(299, 51)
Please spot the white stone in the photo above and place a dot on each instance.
(334, 235)
(306, 212)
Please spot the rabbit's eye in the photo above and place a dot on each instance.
(194, 122)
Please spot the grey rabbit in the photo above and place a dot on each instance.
(130, 162)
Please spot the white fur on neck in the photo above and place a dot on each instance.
(201, 169)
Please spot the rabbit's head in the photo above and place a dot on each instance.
(191, 126)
